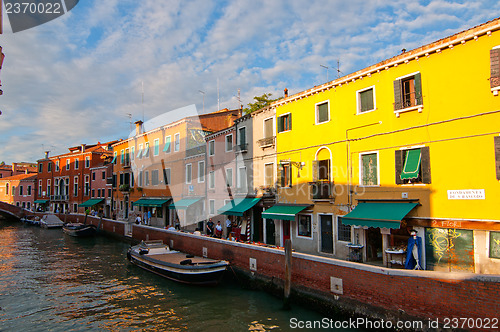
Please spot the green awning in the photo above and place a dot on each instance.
(146, 151)
(167, 147)
(92, 202)
(238, 206)
(184, 203)
(412, 165)
(151, 202)
(284, 211)
(388, 215)
(41, 201)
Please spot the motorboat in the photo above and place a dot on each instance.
(51, 221)
(158, 258)
(79, 230)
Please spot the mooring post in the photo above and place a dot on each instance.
(288, 273)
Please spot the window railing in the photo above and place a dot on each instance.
(59, 197)
(408, 100)
(242, 147)
(321, 190)
(268, 141)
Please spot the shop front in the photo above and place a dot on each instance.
(243, 213)
(152, 211)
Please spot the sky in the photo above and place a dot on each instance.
(85, 76)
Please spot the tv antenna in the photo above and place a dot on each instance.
(338, 69)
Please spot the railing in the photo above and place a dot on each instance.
(268, 141)
(321, 190)
(59, 197)
(243, 147)
(408, 100)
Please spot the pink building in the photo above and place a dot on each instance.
(18, 190)
(101, 186)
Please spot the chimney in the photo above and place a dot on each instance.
(83, 147)
(47, 154)
(14, 167)
(286, 92)
(138, 127)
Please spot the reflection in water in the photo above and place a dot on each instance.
(50, 281)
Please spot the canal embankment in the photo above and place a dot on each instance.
(332, 285)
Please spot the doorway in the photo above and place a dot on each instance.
(270, 232)
(286, 230)
(374, 244)
(326, 233)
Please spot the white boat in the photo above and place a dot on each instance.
(51, 221)
(157, 257)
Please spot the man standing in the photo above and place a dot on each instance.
(229, 227)
(210, 227)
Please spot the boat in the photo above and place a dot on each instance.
(79, 230)
(51, 221)
(31, 220)
(158, 258)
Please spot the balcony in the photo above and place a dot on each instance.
(59, 197)
(321, 190)
(267, 142)
(243, 147)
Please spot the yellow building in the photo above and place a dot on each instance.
(411, 143)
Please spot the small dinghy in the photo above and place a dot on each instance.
(79, 230)
(157, 257)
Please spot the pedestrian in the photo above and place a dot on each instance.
(229, 227)
(218, 230)
(149, 217)
(138, 219)
(210, 227)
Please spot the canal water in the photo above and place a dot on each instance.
(52, 282)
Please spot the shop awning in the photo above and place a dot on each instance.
(41, 201)
(238, 206)
(167, 147)
(284, 211)
(388, 215)
(412, 165)
(92, 202)
(183, 204)
(151, 202)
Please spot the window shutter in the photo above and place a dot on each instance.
(399, 166)
(418, 89)
(425, 164)
(290, 121)
(495, 67)
(315, 169)
(243, 138)
(497, 155)
(398, 96)
(280, 124)
(280, 177)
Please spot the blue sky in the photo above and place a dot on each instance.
(75, 79)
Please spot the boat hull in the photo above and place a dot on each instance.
(80, 230)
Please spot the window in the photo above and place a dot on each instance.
(87, 162)
(49, 167)
(7, 188)
(496, 142)
(57, 166)
(229, 177)
(122, 157)
(343, 231)
(29, 191)
(75, 186)
(13, 190)
(269, 128)
(154, 177)
(211, 180)
(139, 153)
(495, 69)
(177, 142)
(211, 148)
(40, 168)
(369, 169)
(242, 177)
(140, 178)
(286, 174)
(146, 150)
(408, 92)
(494, 244)
(48, 187)
(77, 163)
(201, 171)
(211, 206)
(285, 122)
(166, 176)
(304, 226)
(269, 175)
(93, 176)
(21, 191)
(167, 147)
(321, 170)
(40, 188)
(146, 178)
(229, 142)
(242, 137)
(189, 173)
(413, 166)
(127, 157)
(366, 100)
(132, 153)
(103, 175)
(115, 155)
(322, 112)
(156, 150)
(98, 193)
(87, 186)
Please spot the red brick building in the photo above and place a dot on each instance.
(65, 181)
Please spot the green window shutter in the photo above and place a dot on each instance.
(399, 166)
(322, 112)
(366, 100)
(280, 124)
(495, 67)
(281, 180)
(425, 164)
(418, 89)
(290, 121)
(243, 134)
(497, 155)
(398, 96)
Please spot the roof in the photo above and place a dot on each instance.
(20, 177)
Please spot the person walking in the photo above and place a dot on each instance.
(229, 227)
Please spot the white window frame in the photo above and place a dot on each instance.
(226, 143)
(272, 118)
(57, 166)
(141, 150)
(316, 112)
(132, 153)
(177, 142)
(75, 186)
(211, 207)
(265, 177)
(231, 183)
(189, 174)
(68, 163)
(336, 225)
(156, 146)
(211, 153)
(167, 171)
(146, 178)
(238, 179)
(358, 100)
(169, 139)
(361, 154)
(77, 163)
(201, 171)
(211, 180)
(312, 227)
(87, 162)
(280, 116)
(239, 136)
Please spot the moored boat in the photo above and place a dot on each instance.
(51, 221)
(79, 229)
(157, 257)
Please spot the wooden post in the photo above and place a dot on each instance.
(288, 273)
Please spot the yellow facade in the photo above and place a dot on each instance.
(456, 118)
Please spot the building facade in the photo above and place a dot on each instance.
(19, 190)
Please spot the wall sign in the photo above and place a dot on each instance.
(466, 194)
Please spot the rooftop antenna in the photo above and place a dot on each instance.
(326, 71)
(338, 69)
(239, 100)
